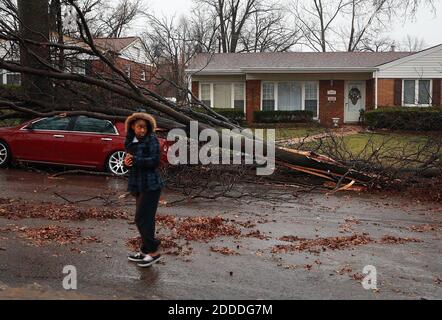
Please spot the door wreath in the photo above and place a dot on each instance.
(354, 95)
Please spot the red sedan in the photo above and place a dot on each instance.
(76, 141)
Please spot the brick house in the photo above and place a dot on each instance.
(128, 54)
(331, 85)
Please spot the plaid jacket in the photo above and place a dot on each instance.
(144, 174)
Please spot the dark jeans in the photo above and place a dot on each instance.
(147, 204)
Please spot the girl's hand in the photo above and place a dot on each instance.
(128, 160)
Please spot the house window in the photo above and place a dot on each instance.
(10, 78)
(205, 94)
(268, 96)
(424, 92)
(76, 66)
(290, 96)
(409, 92)
(417, 92)
(238, 93)
(311, 97)
(224, 95)
(79, 67)
(143, 75)
(13, 78)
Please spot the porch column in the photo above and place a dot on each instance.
(375, 90)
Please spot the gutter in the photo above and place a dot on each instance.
(307, 70)
(244, 71)
(214, 72)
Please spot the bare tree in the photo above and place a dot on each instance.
(412, 44)
(270, 32)
(170, 45)
(120, 17)
(316, 21)
(204, 29)
(355, 23)
(378, 43)
(232, 18)
(108, 20)
(368, 18)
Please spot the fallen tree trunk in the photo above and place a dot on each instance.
(319, 165)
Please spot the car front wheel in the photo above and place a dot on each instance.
(5, 154)
(115, 164)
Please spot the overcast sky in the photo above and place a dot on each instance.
(426, 26)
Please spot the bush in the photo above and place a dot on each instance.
(231, 114)
(298, 116)
(405, 118)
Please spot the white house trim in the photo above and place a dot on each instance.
(410, 57)
(424, 64)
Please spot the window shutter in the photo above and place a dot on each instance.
(398, 92)
(436, 92)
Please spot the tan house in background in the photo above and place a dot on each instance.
(331, 85)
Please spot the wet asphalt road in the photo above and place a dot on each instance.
(405, 271)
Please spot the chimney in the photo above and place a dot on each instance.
(393, 48)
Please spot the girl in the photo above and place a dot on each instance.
(145, 183)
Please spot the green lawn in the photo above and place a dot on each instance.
(396, 149)
(295, 132)
(392, 142)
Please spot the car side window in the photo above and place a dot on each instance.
(53, 123)
(87, 124)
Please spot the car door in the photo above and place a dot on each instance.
(39, 141)
(89, 142)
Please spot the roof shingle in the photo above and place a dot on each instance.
(292, 60)
(114, 44)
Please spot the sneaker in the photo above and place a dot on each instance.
(138, 257)
(148, 262)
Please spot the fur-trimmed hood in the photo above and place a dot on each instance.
(137, 116)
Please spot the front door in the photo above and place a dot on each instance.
(354, 100)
